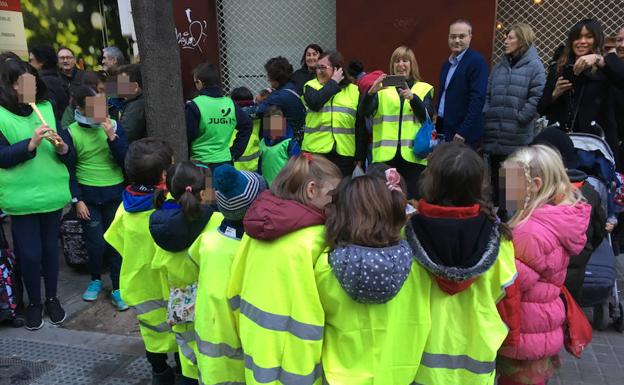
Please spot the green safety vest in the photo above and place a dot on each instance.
(373, 344)
(220, 357)
(280, 316)
(95, 163)
(333, 124)
(37, 185)
(386, 125)
(249, 160)
(462, 347)
(274, 158)
(216, 125)
(142, 287)
(182, 272)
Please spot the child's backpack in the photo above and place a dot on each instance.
(72, 240)
(8, 282)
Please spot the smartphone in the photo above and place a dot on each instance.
(394, 80)
(568, 72)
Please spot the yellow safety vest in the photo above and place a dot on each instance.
(386, 124)
(333, 124)
(249, 160)
(462, 346)
(142, 287)
(220, 356)
(279, 312)
(373, 344)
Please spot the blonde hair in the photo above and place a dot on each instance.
(292, 181)
(524, 34)
(404, 52)
(545, 163)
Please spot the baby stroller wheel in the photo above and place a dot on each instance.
(601, 316)
(619, 322)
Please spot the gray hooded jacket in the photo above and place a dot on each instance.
(511, 103)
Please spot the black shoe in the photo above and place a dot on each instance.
(165, 378)
(55, 311)
(34, 317)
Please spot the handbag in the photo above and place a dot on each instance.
(577, 329)
(427, 138)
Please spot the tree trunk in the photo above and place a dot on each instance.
(160, 70)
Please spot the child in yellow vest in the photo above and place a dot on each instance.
(174, 226)
(219, 356)
(144, 288)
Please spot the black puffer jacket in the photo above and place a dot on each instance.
(58, 92)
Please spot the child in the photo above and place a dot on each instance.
(214, 252)
(35, 184)
(374, 298)
(211, 120)
(174, 226)
(548, 226)
(243, 98)
(276, 145)
(466, 257)
(272, 286)
(143, 287)
(97, 182)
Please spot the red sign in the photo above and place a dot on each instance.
(10, 5)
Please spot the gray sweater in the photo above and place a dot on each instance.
(511, 103)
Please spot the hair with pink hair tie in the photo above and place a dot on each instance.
(393, 180)
(188, 189)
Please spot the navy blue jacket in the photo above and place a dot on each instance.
(291, 105)
(465, 97)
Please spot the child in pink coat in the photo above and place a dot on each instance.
(548, 226)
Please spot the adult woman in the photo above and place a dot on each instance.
(284, 96)
(577, 90)
(398, 113)
(514, 89)
(308, 66)
(35, 184)
(330, 127)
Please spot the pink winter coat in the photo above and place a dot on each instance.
(543, 245)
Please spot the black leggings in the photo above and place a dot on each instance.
(36, 242)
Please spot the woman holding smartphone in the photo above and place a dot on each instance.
(398, 113)
(577, 90)
(330, 125)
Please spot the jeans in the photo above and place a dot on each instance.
(36, 242)
(101, 217)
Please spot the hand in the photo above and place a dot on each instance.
(109, 129)
(406, 93)
(338, 75)
(82, 212)
(587, 61)
(377, 85)
(459, 138)
(609, 227)
(60, 147)
(40, 133)
(561, 87)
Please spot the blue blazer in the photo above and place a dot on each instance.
(465, 97)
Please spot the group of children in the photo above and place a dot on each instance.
(325, 278)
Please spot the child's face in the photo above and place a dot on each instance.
(121, 86)
(275, 126)
(207, 195)
(26, 88)
(320, 196)
(513, 185)
(95, 108)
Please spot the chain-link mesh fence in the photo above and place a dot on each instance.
(551, 20)
(253, 31)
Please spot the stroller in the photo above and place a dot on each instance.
(600, 289)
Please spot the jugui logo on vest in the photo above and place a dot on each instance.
(223, 119)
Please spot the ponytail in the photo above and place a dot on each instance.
(191, 204)
(185, 181)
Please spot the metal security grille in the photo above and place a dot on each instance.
(551, 20)
(253, 31)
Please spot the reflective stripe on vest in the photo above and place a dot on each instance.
(183, 340)
(265, 375)
(248, 161)
(218, 350)
(387, 124)
(160, 328)
(447, 361)
(279, 322)
(148, 306)
(393, 143)
(333, 126)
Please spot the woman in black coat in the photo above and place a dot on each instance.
(577, 90)
(307, 71)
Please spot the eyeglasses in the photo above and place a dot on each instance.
(63, 58)
(321, 68)
(460, 37)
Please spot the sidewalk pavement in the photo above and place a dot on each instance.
(98, 345)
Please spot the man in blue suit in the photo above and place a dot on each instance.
(463, 84)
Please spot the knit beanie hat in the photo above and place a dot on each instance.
(236, 190)
(555, 137)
